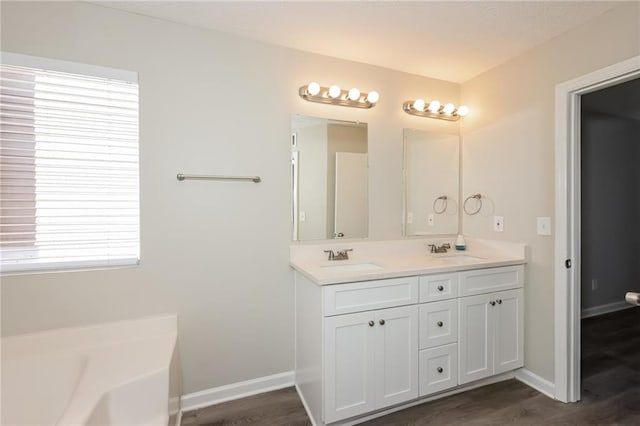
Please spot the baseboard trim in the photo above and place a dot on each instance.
(605, 309)
(538, 383)
(306, 406)
(207, 397)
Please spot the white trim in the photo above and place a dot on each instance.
(534, 381)
(17, 59)
(594, 311)
(567, 212)
(207, 397)
(305, 405)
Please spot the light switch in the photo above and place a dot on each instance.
(498, 223)
(431, 220)
(544, 226)
(410, 217)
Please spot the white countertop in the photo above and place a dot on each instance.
(373, 260)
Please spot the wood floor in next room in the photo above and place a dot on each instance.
(610, 392)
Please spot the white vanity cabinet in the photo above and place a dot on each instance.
(364, 346)
(491, 339)
(371, 361)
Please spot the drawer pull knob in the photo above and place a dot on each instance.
(492, 303)
(439, 370)
(440, 323)
(371, 323)
(440, 288)
(381, 322)
(499, 301)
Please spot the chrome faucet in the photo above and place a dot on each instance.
(442, 249)
(339, 255)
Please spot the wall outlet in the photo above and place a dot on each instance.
(544, 226)
(431, 219)
(410, 217)
(498, 223)
(303, 216)
(594, 284)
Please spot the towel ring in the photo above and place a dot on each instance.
(478, 197)
(444, 204)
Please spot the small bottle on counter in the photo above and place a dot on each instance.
(460, 244)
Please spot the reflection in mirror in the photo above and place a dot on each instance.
(330, 179)
(431, 164)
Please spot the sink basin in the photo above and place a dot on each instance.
(461, 258)
(351, 267)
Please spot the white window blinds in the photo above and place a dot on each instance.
(69, 190)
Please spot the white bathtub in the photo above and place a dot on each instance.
(124, 373)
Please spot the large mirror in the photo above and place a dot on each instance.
(330, 179)
(431, 175)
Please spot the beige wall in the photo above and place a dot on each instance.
(312, 181)
(214, 252)
(341, 138)
(508, 152)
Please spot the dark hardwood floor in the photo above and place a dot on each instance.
(610, 392)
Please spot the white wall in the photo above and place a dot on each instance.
(214, 252)
(610, 152)
(508, 152)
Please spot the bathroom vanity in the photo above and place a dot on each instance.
(395, 325)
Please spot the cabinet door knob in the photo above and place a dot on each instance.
(440, 288)
(499, 301)
(439, 370)
(371, 323)
(381, 322)
(492, 303)
(440, 323)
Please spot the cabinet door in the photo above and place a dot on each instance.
(349, 365)
(396, 355)
(509, 330)
(475, 339)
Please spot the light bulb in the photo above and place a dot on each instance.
(334, 91)
(449, 108)
(434, 106)
(373, 97)
(313, 88)
(463, 110)
(354, 94)
(418, 104)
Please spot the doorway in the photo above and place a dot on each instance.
(610, 240)
(568, 239)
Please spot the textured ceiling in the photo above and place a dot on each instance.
(449, 40)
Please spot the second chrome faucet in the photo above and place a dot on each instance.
(441, 249)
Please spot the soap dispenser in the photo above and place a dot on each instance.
(460, 244)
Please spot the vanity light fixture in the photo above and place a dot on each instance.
(435, 110)
(313, 92)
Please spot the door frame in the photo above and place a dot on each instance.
(567, 212)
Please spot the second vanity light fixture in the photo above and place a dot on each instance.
(313, 92)
(435, 110)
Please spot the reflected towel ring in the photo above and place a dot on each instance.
(444, 204)
(478, 197)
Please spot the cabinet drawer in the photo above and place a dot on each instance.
(438, 369)
(489, 280)
(364, 296)
(438, 323)
(438, 287)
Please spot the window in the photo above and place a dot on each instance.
(69, 190)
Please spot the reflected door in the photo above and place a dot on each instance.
(351, 196)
